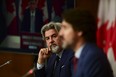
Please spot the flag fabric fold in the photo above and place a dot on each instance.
(106, 31)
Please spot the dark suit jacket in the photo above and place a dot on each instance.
(25, 26)
(93, 63)
(63, 69)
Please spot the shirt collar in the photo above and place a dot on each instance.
(79, 51)
(33, 13)
(60, 54)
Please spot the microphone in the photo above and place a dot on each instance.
(8, 62)
(31, 71)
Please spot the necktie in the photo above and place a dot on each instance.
(55, 65)
(75, 62)
(56, 62)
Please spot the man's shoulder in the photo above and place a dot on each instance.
(92, 48)
(92, 53)
(68, 52)
(93, 57)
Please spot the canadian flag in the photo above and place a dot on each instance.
(106, 31)
(42, 4)
(23, 4)
(10, 14)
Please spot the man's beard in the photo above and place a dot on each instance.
(66, 45)
(55, 48)
(70, 44)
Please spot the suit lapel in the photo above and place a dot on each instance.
(80, 61)
(51, 65)
(64, 57)
(63, 61)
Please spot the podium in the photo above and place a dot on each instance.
(19, 65)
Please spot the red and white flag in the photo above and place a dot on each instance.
(106, 31)
(10, 14)
(42, 4)
(23, 4)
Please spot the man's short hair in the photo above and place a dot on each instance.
(82, 20)
(51, 25)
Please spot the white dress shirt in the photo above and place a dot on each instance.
(40, 66)
(79, 51)
(32, 22)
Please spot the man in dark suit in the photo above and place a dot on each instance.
(58, 59)
(78, 32)
(32, 19)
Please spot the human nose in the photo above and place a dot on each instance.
(51, 40)
(61, 32)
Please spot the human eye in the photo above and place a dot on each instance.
(54, 35)
(46, 38)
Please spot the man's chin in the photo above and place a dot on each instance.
(65, 46)
(55, 49)
(55, 52)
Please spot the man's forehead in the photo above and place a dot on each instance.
(50, 32)
(65, 23)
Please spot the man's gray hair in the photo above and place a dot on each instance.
(50, 25)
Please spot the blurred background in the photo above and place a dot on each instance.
(20, 38)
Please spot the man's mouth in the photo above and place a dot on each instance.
(53, 45)
(54, 48)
